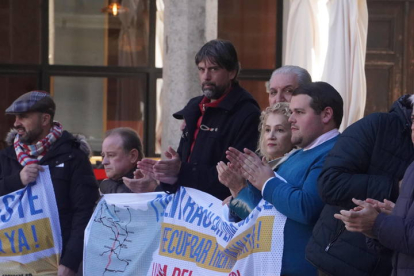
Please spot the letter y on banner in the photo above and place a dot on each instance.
(30, 237)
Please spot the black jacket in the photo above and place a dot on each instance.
(75, 187)
(396, 231)
(233, 123)
(368, 161)
(110, 186)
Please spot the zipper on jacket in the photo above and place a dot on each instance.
(335, 238)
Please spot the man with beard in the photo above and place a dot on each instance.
(226, 115)
(38, 141)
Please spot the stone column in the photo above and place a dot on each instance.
(188, 25)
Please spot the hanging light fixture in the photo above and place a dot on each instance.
(114, 8)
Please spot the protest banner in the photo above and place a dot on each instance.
(30, 240)
(183, 234)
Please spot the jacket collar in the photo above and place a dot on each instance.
(236, 96)
(403, 109)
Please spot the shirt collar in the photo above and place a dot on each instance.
(322, 139)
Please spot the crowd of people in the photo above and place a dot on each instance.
(336, 190)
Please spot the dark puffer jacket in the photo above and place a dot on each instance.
(75, 187)
(368, 161)
(233, 123)
(110, 186)
(396, 231)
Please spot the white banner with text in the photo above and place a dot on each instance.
(30, 239)
(181, 234)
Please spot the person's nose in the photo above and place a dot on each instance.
(105, 160)
(17, 122)
(206, 75)
(272, 135)
(280, 97)
(291, 119)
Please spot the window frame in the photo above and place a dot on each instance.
(46, 71)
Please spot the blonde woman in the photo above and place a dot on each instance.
(274, 145)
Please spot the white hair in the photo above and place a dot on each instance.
(411, 99)
(302, 74)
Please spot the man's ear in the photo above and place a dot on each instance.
(46, 119)
(327, 115)
(232, 74)
(134, 156)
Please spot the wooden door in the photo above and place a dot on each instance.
(389, 64)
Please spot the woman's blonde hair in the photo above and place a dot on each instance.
(278, 108)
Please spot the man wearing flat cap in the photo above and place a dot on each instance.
(37, 140)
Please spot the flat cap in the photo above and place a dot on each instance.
(33, 101)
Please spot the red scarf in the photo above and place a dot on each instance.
(206, 102)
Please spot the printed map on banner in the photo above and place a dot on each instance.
(121, 237)
(156, 234)
(30, 240)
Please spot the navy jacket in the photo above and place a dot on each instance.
(233, 123)
(368, 161)
(396, 231)
(75, 187)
